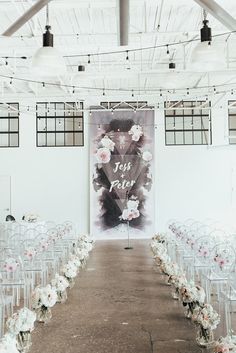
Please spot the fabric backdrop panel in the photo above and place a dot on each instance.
(122, 165)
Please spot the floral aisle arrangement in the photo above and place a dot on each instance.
(192, 296)
(8, 344)
(20, 326)
(69, 271)
(60, 283)
(43, 299)
(225, 345)
(206, 319)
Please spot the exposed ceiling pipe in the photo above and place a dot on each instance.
(33, 10)
(123, 22)
(218, 12)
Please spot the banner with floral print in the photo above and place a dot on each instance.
(122, 174)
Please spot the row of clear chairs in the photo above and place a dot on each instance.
(207, 253)
(30, 257)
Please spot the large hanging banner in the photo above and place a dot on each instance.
(122, 192)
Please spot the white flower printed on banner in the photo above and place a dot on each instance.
(136, 131)
(147, 156)
(103, 155)
(108, 143)
(131, 211)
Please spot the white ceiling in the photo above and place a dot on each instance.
(82, 27)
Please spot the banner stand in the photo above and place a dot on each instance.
(128, 247)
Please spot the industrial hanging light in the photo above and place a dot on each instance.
(205, 55)
(47, 61)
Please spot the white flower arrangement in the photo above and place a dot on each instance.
(22, 321)
(107, 143)
(8, 344)
(192, 293)
(44, 296)
(76, 261)
(159, 238)
(69, 270)
(43, 299)
(60, 283)
(82, 254)
(206, 317)
(30, 217)
(136, 132)
(225, 345)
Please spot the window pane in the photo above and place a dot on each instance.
(232, 122)
(170, 138)
(188, 123)
(4, 124)
(78, 139)
(41, 139)
(41, 124)
(179, 123)
(179, 136)
(78, 123)
(60, 139)
(50, 124)
(205, 137)
(4, 140)
(60, 124)
(188, 138)
(69, 139)
(51, 139)
(69, 124)
(14, 140)
(13, 124)
(169, 123)
(197, 137)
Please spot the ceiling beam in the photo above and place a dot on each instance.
(123, 22)
(218, 12)
(33, 10)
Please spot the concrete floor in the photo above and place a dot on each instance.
(119, 304)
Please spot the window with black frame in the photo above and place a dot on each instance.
(60, 124)
(187, 123)
(232, 122)
(9, 125)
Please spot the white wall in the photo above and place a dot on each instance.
(196, 181)
(52, 182)
(191, 181)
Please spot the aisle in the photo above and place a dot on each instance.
(118, 305)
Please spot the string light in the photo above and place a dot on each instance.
(103, 92)
(43, 84)
(73, 91)
(90, 113)
(11, 81)
(132, 93)
(89, 61)
(167, 49)
(127, 55)
(187, 91)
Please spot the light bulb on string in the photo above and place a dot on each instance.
(103, 92)
(90, 113)
(43, 84)
(11, 80)
(132, 93)
(89, 60)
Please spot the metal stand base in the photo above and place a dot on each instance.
(128, 247)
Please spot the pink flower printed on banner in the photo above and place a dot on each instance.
(11, 265)
(103, 155)
(203, 252)
(221, 261)
(30, 253)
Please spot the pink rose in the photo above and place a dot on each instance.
(103, 155)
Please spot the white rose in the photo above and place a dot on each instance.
(132, 204)
(147, 156)
(108, 143)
